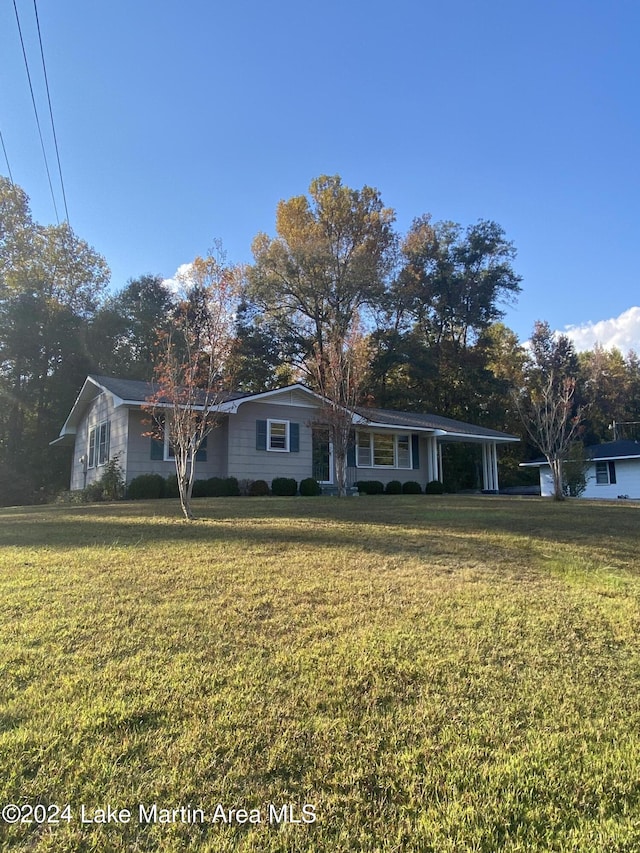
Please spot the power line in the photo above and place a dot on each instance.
(35, 109)
(53, 127)
(6, 157)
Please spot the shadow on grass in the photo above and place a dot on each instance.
(492, 527)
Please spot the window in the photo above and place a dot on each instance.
(364, 450)
(605, 473)
(404, 451)
(169, 451)
(99, 437)
(281, 436)
(278, 435)
(383, 450)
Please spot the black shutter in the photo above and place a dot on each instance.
(415, 451)
(612, 472)
(351, 451)
(294, 438)
(157, 450)
(261, 435)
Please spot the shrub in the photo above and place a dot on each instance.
(222, 487)
(370, 487)
(411, 488)
(310, 487)
(110, 486)
(146, 487)
(112, 481)
(393, 487)
(244, 486)
(258, 489)
(200, 489)
(284, 487)
(171, 487)
(434, 487)
(71, 497)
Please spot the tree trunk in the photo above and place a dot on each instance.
(185, 483)
(341, 474)
(558, 485)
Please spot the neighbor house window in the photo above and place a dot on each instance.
(605, 473)
(383, 450)
(99, 438)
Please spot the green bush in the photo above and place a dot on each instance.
(200, 489)
(171, 487)
(284, 487)
(434, 487)
(393, 487)
(146, 487)
(310, 487)
(411, 488)
(258, 489)
(110, 486)
(370, 487)
(222, 487)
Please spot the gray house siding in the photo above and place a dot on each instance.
(101, 410)
(261, 436)
(247, 462)
(139, 459)
(387, 474)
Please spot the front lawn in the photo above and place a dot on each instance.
(422, 673)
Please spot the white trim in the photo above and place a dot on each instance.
(395, 436)
(231, 406)
(99, 459)
(287, 433)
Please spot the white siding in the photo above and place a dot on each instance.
(627, 481)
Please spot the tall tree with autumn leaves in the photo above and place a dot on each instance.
(330, 261)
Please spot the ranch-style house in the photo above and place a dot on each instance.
(265, 435)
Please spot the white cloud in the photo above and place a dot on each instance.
(180, 280)
(622, 332)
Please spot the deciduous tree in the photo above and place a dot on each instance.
(547, 400)
(50, 286)
(331, 258)
(191, 378)
(339, 370)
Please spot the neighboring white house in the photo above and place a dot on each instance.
(613, 471)
(261, 436)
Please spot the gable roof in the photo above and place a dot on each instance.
(134, 392)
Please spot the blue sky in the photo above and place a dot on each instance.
(181, 122)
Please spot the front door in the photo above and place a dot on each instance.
(322, 455)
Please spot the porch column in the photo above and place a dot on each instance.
(432, 458)
(490, 467)
(440, 469)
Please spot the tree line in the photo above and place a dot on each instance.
(337, 299)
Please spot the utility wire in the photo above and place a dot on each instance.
(53, 127)
(6, 157)
(35, 109)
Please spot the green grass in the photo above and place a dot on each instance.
(430, 673)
